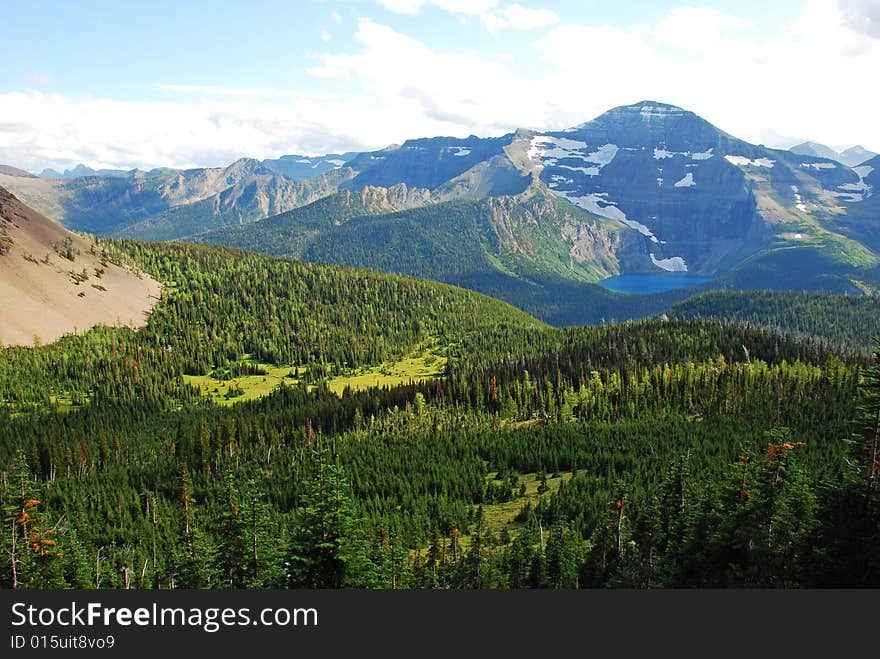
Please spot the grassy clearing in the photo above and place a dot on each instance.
(500, 516)
(424, 363)
(247, 387)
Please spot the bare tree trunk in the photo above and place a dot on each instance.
(873, 466)
(13, 559)
(98, 568)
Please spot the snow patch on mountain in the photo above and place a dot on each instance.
(460, 150)
(818, 165)
(589, 171)
(593, 204)
(596, 204)
(555, 147)
(672, 264)
(649, 112)
(687, 181)
(661, 152)
(742, 161)
(603, 155)
(557, 179)
(850, 197)
(798, 201)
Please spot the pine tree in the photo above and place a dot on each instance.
(328, 549)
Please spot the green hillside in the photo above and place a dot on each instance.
(848, 321)
(647, 454)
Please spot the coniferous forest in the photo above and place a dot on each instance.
(687, 451)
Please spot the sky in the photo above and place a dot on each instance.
(191, 84)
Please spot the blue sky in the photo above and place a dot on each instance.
(194, 83)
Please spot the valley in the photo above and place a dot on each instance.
(637, 353)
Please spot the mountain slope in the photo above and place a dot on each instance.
(231, 304)
(302, 168)
(8, 170)
(169, 204)
(698, 199)
(858, 212)
(464, 241)
(703, 200)
(53, 281)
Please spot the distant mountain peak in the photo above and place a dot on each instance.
(816, 150)
(643, 112)
(856, 155)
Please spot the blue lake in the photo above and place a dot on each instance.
(650, 283)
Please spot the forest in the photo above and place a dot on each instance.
(691, 450)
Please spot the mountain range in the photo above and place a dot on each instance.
(535, 218)
(852, 157)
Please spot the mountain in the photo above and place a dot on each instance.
(299, 168)
(851, 157)
(816, 150)
(704, 200)
(856, 155)
(8, 170)
(168, 204)
(534, 217)
(81, 170)
(53, 281)
(302, 168)
(475, 243)
(699, 199)
(646, 188)
(860, 205)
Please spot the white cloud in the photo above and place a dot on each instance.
(52, 130)
(862, 15)
(463, 93)
(696, 28)
(325, 35)
(812, 79)
(493, 18)
(403, 6)
(517, 17)
(246, 92)
(464, 7)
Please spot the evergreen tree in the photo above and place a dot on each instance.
(327, 548)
